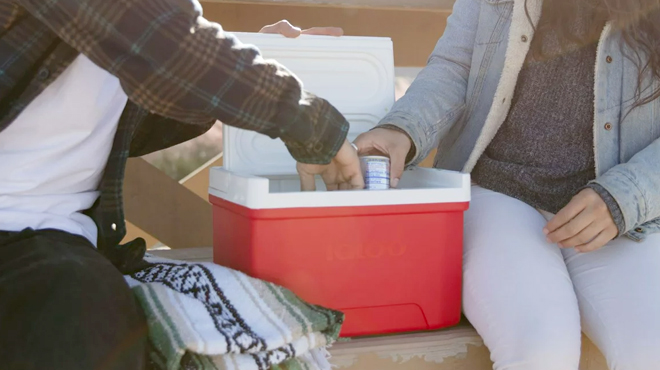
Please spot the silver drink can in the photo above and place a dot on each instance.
(376, 172)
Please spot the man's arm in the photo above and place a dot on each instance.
(173, 62)
(157, 133)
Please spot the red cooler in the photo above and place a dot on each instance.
(390, 260)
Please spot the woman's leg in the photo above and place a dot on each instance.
(517, 291)
(618, 289)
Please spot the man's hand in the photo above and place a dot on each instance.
(390, 143)
(287, 29)
(584, 224)
(343, 173)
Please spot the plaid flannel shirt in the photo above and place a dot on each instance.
(181, 74)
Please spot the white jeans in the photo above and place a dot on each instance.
(529, 300)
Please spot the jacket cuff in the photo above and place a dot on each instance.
(612, 205)
(406, 124)
(313, 131)
(413, 150)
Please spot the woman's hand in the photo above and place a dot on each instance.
(389, 143)
(343, 173)
(287, 29)
(584, 224)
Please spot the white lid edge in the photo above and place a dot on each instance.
(253, 192)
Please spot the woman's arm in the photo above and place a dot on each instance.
(590, 221)
(635, 186)
(434, 101)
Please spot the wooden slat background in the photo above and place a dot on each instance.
(377, 4)
(413, 32)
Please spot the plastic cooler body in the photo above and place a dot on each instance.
(390, 268)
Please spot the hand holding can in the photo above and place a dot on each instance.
(389, 143)
(375, 170)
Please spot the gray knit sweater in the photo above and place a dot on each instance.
(543, 153)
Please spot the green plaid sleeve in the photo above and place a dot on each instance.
(173, 62)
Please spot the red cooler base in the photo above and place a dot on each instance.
(388, 268)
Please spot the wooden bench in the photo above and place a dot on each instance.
(456, 348)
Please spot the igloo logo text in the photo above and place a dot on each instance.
(347, 252)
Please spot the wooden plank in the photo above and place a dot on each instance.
(203, 254)
(133, 232)
(592, 358)
(457, 348)
(454, 348)
(160, 206)
(198, 181)
(428, 162)
(413, 32)
(378, 4)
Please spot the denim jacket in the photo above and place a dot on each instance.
(462, 97)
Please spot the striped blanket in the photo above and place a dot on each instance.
(203, 316)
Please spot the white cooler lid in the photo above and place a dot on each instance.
(355, 74)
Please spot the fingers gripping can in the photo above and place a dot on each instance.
(376, 172)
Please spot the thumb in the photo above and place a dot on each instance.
(397, 165)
